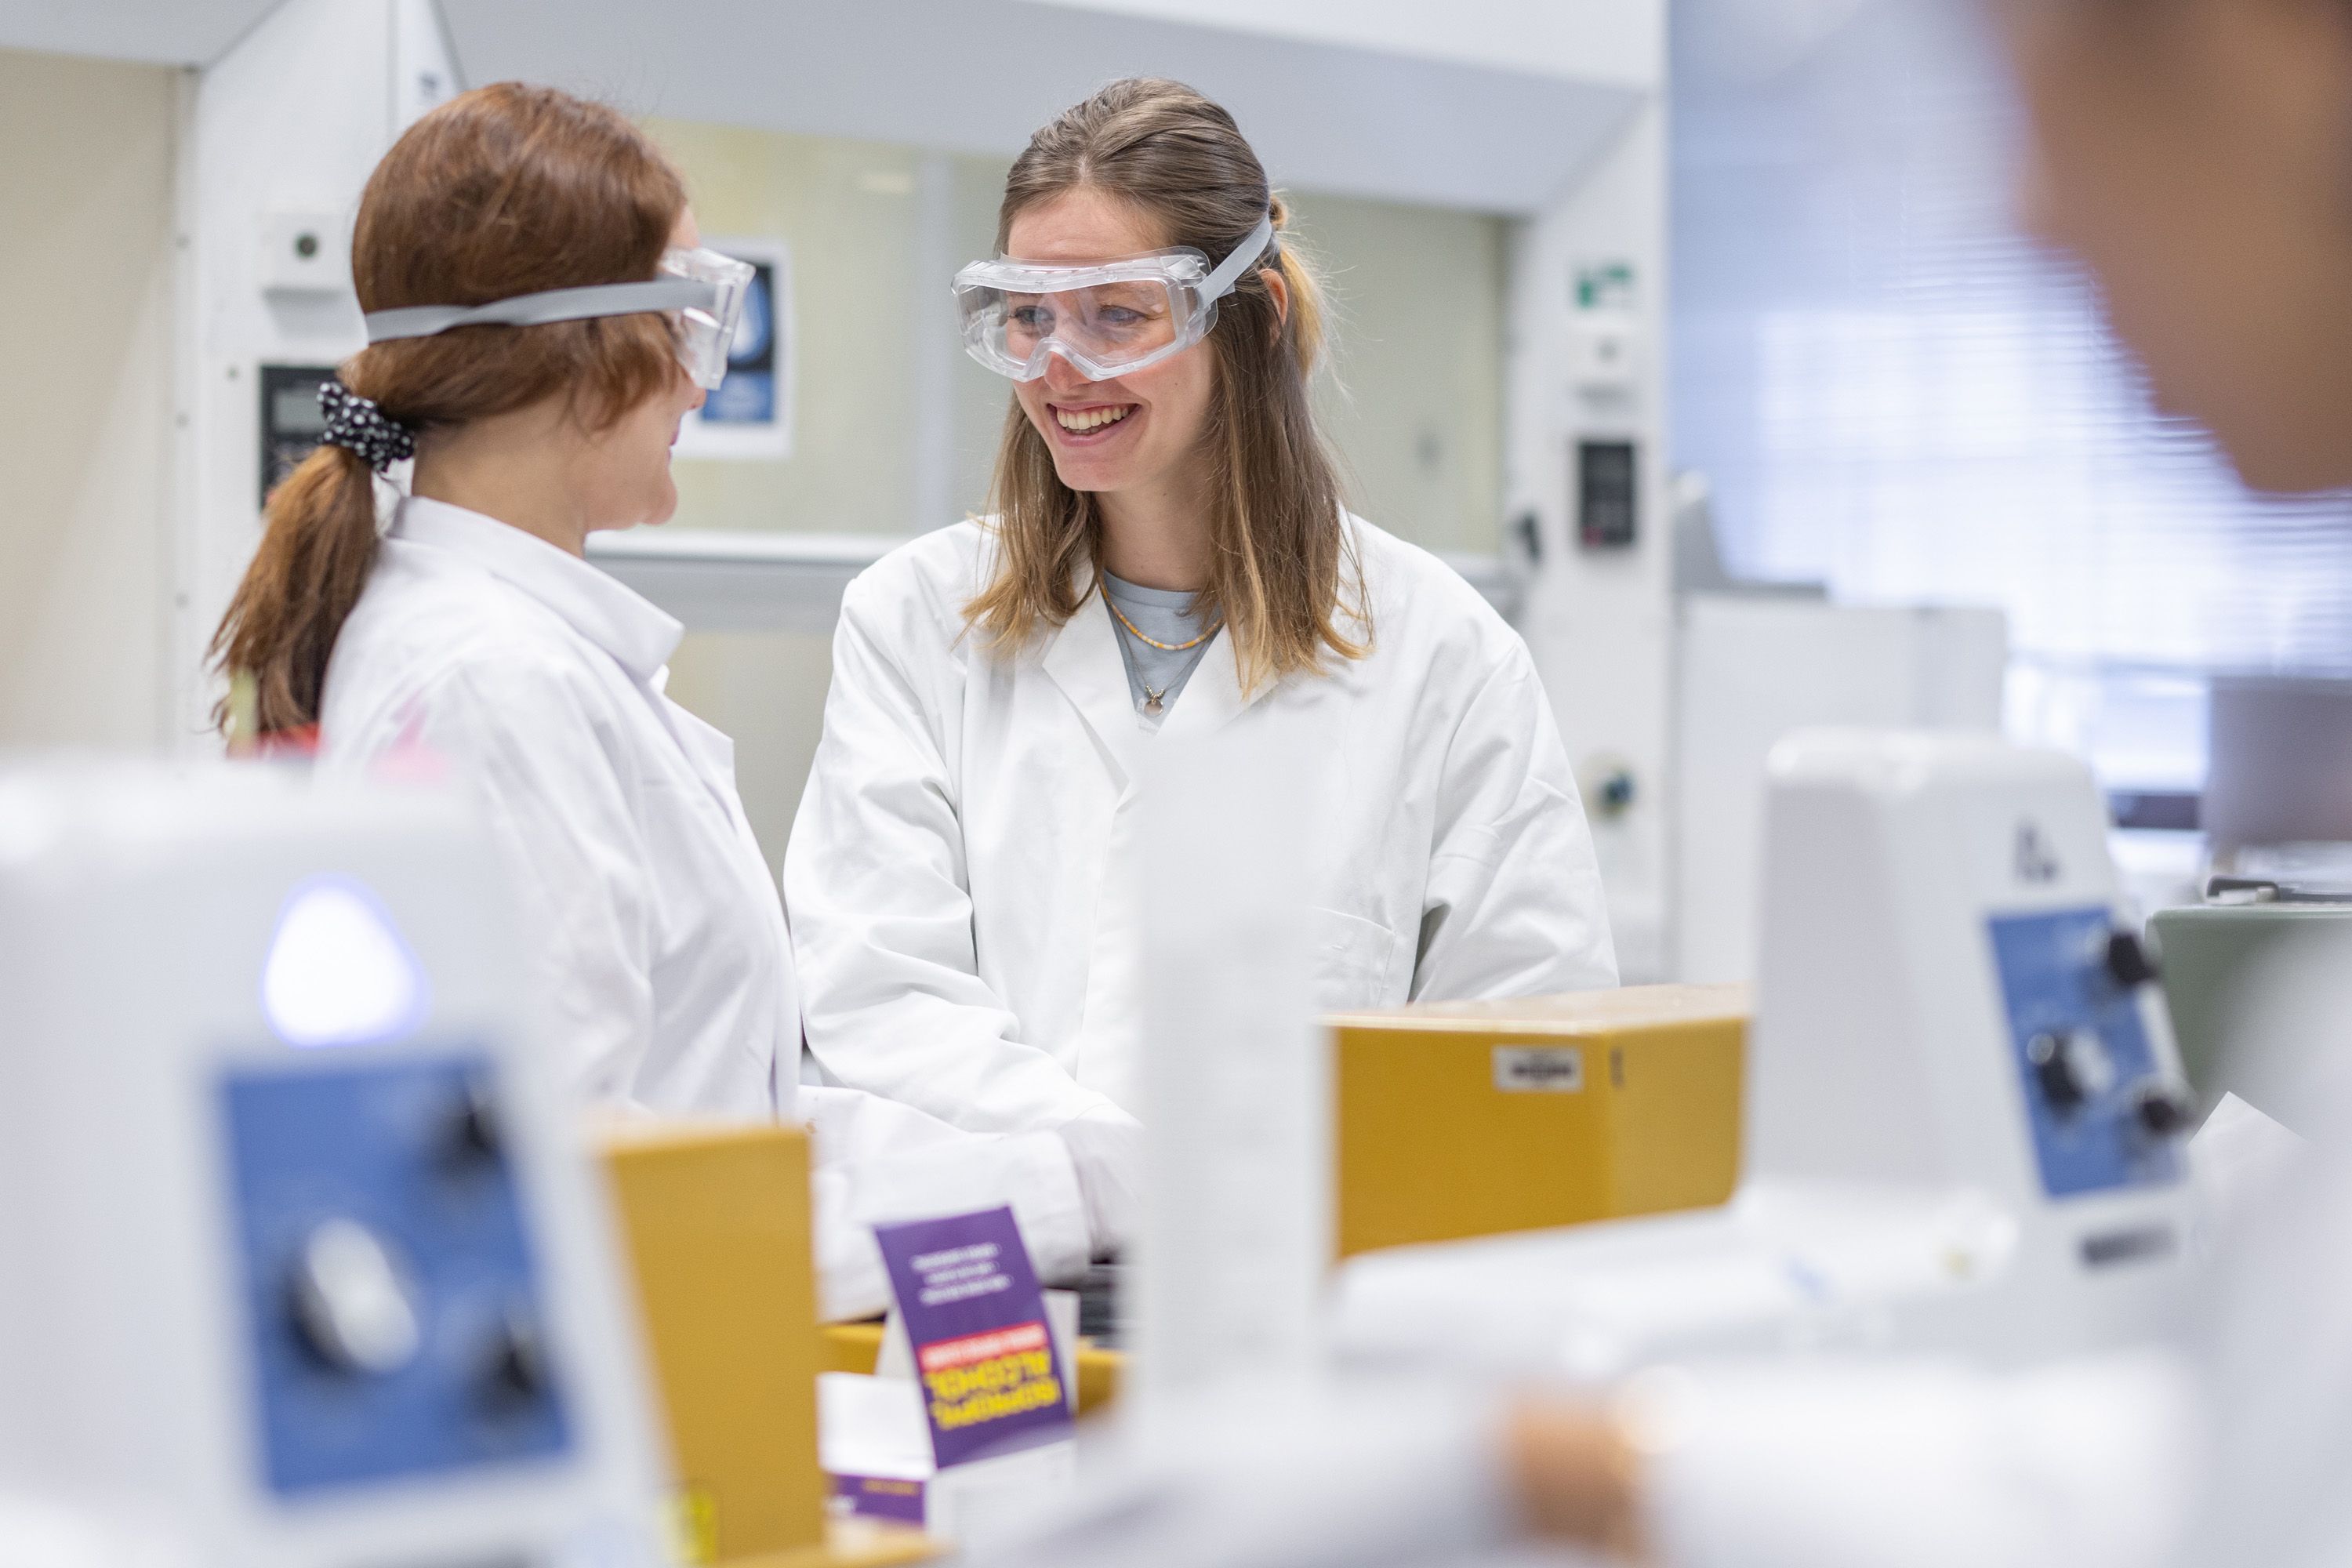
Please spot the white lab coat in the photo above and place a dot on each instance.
(962, 876)
(537, 680)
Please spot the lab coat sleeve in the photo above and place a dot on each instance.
(2084, 1464)
(878, 890)
(528, 742)
(1514, 906)
(877, 1161)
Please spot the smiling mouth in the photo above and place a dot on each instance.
(1079, 421)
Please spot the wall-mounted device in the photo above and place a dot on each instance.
(306, 1264)
(291, 423)
(305, 252)
(1963, 1117)
(1603, 354)
(1607, 490)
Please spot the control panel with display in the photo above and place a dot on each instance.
(1607, 483)
(390, 1290)
(291, 423)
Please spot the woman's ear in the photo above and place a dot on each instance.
(1278, 289)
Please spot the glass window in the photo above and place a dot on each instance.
(1894, 392)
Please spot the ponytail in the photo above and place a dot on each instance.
(318, 547)
(1307, 309)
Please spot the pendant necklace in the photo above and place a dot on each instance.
(1154, 700)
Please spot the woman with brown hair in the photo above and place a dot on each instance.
(540, 319)
(1169, 555)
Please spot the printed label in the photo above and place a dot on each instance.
(975, 1321)
(1539, 1070)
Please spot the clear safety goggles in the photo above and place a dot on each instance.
(1105, 318)
(700, 292)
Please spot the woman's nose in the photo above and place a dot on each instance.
(1061, 375)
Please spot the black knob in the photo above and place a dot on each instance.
(2163, 1112)
(514, 1371)
(472, 1136)
(2054, 1070)
(2128, 964)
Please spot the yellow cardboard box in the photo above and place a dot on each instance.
(1471, 1119)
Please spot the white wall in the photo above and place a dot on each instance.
(85, 412)
(293, 118)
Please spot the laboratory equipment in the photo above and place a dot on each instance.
(1472, 1119)
(1757, 665)
(2222, 962)
(1964, 1108)
(303, 1265)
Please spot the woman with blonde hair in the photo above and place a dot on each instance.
(1169, 555)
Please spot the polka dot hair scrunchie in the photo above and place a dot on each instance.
(357, 424)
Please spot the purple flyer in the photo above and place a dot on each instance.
(976, 1325)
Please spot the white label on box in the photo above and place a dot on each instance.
(1539, 1070)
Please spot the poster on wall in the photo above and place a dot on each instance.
(750, 414)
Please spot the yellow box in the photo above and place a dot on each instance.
(1472, 1119)
(716, 1221)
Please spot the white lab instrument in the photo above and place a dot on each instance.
(1755, 664)
(303, 1266)
(1962, 1119)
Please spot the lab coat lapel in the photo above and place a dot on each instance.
(1083, 659)
(1213, 699)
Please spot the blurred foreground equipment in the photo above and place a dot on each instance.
(304, 1266)
(1964, 1110)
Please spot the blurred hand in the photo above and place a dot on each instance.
(1107, 1149)
(1576, 1477)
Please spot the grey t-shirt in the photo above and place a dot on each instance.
(1166, 615)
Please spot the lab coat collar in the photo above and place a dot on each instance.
(1083, 659)
(639, 635)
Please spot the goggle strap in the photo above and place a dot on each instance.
(1220, 283)
(549, 305)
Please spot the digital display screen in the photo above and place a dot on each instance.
(291, 423)
(294, 411)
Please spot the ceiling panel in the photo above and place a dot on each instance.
(157, 32)
(978, 76)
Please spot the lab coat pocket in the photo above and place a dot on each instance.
(1353, 958)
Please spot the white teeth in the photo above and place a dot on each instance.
(1091, 418)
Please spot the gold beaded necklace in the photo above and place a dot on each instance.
(1155, 642)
